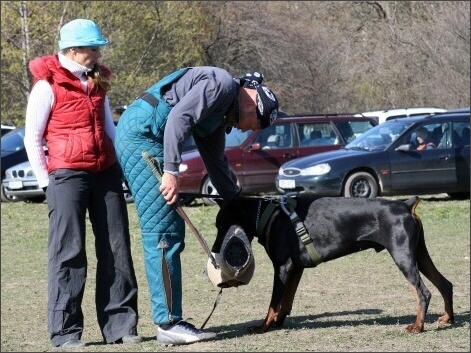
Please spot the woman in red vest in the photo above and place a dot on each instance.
(68, 107)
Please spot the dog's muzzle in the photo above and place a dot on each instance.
(235, 260)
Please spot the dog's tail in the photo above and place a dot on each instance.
(412, 204)
(421, 247)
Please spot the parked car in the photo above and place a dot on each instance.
(13, 153)
(383, 161)
(255, 157)
(18, 179)
(388, 114)
(7, 128)
(20, 184)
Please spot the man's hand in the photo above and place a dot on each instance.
(169, 188)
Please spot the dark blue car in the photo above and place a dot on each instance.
(13, 152)
(385, 161)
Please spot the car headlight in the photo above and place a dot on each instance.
(182, 168)
(318, 169)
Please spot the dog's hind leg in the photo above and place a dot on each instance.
(423, 296)
(444, 286)
(428, 269)
(286, 304)
(410, 270)
(404, 256)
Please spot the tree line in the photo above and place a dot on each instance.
(317, 56)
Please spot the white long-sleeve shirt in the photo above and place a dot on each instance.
(39, 107)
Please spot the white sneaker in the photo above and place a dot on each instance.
(182, 333)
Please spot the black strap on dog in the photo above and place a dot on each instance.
(301, 231)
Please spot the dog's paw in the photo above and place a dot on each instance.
(415, 328)
(446, 319)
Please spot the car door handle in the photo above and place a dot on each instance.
(444, 157)
(289, 156)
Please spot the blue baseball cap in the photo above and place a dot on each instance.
(81, 33)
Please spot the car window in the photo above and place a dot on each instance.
(428, 134)
(380, 136)
(317, 134)
(461, 133)
(350, 130)
(275, 136)
(359, 127)
(237, 137)
(13, 141)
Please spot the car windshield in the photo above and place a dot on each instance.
(13, 141)
(236, 137)
(379, 137)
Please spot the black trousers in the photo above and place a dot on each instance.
(70, 194)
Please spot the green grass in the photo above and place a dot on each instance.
(356, 303)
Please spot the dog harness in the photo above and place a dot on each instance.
(286, 202)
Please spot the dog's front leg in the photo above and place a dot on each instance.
(284, 309)
(278, 291)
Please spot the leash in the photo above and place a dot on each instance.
(154, 168)
(216, 302)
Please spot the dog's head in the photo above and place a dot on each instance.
(232, 247)
(241, 212)
(235, 260)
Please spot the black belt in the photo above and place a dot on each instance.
(149, 98)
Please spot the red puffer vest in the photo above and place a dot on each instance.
(75, 133)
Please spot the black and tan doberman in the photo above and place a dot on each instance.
(337, 227)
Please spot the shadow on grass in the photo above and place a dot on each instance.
(309, 322)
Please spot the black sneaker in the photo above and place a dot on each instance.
(182, 333)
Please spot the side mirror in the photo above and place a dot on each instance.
(405, 148)
(255, 147)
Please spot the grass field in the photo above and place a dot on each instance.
(357, 303)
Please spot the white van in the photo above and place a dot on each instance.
(388, 114)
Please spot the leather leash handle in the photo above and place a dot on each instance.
(200, 238)
(150, 163)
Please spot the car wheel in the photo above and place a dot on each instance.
(361, 184)
(6, 198)
(208, 189)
